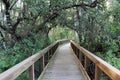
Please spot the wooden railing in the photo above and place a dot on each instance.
(28, 64)
(100, 65)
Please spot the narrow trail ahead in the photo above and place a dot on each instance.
(63, 66)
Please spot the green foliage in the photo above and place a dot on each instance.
(99, 31)
(111, 53)
(21, 51)
(62, 33)
(23, 76)
(98, 28)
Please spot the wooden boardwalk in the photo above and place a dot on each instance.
(63, 66)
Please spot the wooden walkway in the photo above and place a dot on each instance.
(63, 66)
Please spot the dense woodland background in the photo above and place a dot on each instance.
(27, 26)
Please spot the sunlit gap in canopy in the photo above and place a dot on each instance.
(63, 33)
(111, 4)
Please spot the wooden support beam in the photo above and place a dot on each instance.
(97, 73)
(50, 53)
(48, 56)
(31, 72)
(80, 56)
(42, 63)
(86, 63)
(76, 51)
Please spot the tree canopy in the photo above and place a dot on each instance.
(27, 23)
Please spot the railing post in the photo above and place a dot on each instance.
(80, 56)
(76, 52)
(74, 49)
(97, 73)
(86, 63)
(51, 52)
(31, 72)
(48, 55)
(42, 63)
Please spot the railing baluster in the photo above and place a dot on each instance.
(97, 73)
(51, 52)
(86, 63)
(80, 56)
(31, 72)
(48, 55)
(42, 63)
(76, 51)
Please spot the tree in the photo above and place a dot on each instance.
(30, 21)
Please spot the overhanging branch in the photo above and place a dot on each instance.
(83, 4)
(51, 17)
(13, 5)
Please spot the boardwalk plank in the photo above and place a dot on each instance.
(63, 66)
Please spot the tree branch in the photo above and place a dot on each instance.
(2, 27)
(51, 17)
(16, 24)
(13, 5)
(92, 5)
(54, 15)
(6, 29)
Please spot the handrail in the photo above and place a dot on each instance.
(28, 64)
(63, 41)
(100, 64)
